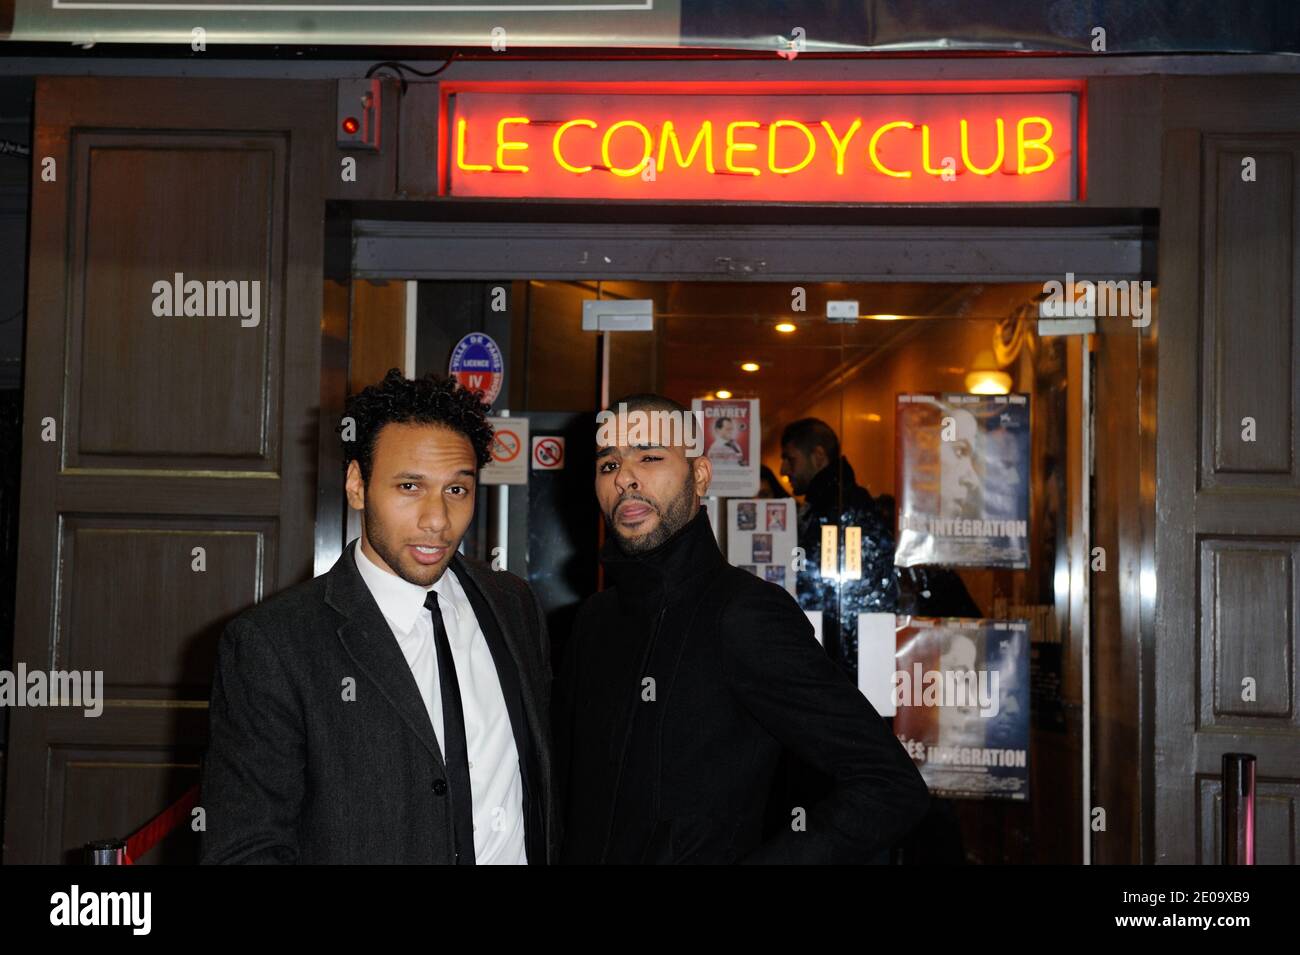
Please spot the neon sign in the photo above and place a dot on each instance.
(875, 147)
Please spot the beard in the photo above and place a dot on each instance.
(674, 514)
(393, 552)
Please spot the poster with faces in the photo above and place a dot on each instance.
(963, 480)
(959, 693)
(761, 538)
(731, 443)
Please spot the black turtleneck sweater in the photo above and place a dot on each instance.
(651, 594)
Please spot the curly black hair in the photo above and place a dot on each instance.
(433, 399)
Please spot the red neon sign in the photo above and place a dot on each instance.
(873, 147)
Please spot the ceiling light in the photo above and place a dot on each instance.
(724, 394)
(786, 327)
(749, 366)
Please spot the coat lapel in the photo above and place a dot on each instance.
(369, 641)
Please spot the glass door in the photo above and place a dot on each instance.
(903, 459)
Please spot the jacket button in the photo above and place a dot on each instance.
(440, 787)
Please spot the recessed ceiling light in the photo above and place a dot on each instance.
(749, 366)
(786, 327)
(724, 394)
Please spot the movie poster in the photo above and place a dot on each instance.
(761, 538)
(731, 443)
(961, 699)
(963, 480)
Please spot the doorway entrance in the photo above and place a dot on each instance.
(880, 376)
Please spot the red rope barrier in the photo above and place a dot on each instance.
(153, 831)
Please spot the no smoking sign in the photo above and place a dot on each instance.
(505, 446)
(509, 465)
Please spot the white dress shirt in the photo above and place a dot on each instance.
(495, 779)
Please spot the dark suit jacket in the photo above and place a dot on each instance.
(295, 773)
(679, 770)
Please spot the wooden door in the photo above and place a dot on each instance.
(170, 434)
(1228, 475)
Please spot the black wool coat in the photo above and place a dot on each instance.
(682, 686)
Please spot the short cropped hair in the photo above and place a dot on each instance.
(649, 401)
(432, 399)
(808, 433)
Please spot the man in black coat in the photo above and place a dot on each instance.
(389, 711)
(686, 680)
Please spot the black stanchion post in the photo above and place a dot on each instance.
(1237, 838)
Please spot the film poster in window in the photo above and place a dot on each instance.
(963, 480)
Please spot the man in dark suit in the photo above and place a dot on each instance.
(389, 711)
(687, 679)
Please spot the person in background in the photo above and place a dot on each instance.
(811, 459)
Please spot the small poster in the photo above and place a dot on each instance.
(961, 696)
(963, 480)
(731, 443)
(761, 538)
(509, 464)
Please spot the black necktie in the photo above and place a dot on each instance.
(455, 752)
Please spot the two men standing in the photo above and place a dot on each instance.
(684, 682)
